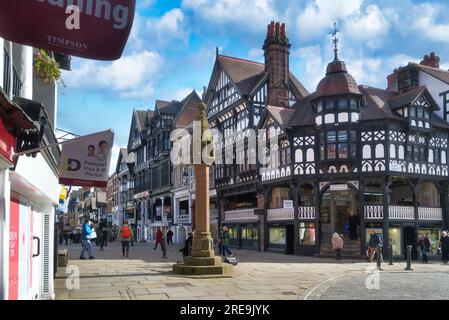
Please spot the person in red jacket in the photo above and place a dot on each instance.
(159, 236)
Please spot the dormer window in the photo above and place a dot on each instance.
(319, 107)
(354, 104)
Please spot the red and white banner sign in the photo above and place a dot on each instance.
(93, 29)
(85, 161)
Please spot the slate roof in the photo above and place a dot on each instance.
(440, 74)
(406, 98)
(281, 115)
(247, 74)
(304, 114)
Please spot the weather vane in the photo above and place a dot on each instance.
(335, 40)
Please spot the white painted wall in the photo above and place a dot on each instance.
(435, 87)
(37, 172)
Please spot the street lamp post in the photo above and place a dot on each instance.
(202, 259)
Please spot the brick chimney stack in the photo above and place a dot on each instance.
(277, 52)
(431, 60)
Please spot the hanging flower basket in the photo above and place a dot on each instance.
(46, 67)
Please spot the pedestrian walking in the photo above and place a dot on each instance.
(169, 236)
(66, 238)
(225, 242)
(125, 236)
(220, 243)
(159, 236)
(444, 244)
(424, 247)
(187, 249)
(105, 236)
(86, 236)
(374, 243)
(337, 244)
(164, 248)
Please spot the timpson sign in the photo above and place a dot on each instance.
(103, 26)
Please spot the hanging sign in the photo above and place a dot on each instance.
(93, 29)
(85, 161)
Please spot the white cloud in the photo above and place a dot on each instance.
(171, 26)
(319, 16)
(132, 76)
(313, 65)
(370, 27)
(256, 54)
(425, 16)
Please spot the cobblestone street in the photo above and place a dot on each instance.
(146, 276)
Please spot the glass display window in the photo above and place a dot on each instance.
(307, 234)
(277, 235)
(396, 240)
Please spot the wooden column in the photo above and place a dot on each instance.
(295, 189)
(386, 219)
(361, 202)
(444, 194)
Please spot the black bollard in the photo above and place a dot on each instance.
(379, 257)
(391, 254)
(409, 258)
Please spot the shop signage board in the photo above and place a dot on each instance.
(85, 161)
(339, 187)
(93, 29)
(288, 204)
(7, 142)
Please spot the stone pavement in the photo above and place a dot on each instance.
(146, 276)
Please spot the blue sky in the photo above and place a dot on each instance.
(171, 50)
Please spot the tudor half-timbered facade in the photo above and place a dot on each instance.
(239, 91)
(375, 157)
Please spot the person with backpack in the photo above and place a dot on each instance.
(125, 236)
(86, 238)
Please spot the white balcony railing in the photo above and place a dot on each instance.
(280, 214)
(430, 213)
(401, 212)
(306, 213)
(184, 218)
(374, 212)
(242, 214)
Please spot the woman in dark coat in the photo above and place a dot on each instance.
(187, 246)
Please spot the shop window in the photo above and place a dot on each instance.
(396, 240)
(307, 234)
(277, 236)
(233, 233)
(249, 233)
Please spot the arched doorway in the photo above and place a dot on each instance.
(338, 206)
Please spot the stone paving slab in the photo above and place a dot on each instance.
(145, 276)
